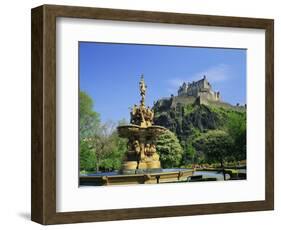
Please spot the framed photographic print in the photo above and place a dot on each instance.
(140, 114)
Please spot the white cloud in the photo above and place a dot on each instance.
(213, 74)
(216, 73)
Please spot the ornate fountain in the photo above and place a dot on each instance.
(141, 156)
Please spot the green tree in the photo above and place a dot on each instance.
(88, 123)
(236, 127)
(101, 142)
(89, 120)
(87, 157)
(189, 152)
(115, 156)
(169, 149)
(123, 121)
(216, 146)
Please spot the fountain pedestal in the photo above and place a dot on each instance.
(142, 155)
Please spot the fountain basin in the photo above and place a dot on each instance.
(165, 176)
(129, 131)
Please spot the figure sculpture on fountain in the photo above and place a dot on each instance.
(142, 115)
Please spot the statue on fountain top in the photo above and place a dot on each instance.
(142, 115)
(143, 87)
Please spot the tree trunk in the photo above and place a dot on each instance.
(98, 166)
(223, 171)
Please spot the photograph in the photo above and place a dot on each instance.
(155, 114)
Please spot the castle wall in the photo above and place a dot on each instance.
(183, 100)
(200, 88)
(208, 96)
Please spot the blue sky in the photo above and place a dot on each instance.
(110, 73)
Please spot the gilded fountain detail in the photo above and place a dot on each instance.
(141, 155)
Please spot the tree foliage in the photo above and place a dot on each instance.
(216, 146)
(101, 143)
(169, 149)
(114, 157)
(236, 127)
(87, 157)
(189, 153)
(88, 119)
(100, 146)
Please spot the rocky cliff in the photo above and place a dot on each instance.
(187, 116)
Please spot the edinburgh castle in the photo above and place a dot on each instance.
(201, 88)
(197, 92)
